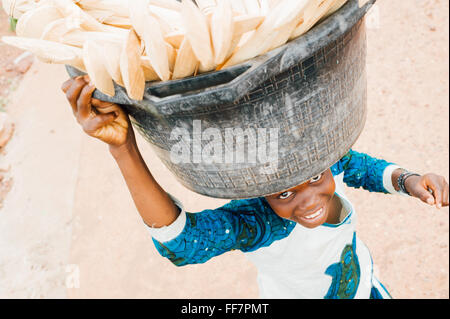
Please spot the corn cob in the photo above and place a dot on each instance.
(131, 42)
(222, 29)
(186, 62)
(147, 27)
(48, 51)
(94, 61)
(130, 67)
(32, 23)
(198, 34)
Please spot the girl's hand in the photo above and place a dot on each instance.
(429, 188)
(103, 120)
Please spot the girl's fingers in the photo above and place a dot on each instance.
(102, 104)
(105, 107)
(437, 193)
(86, 78)
(84, 101)
(425, 196)
(445, 195)
(73, 92)
(65, 86)
(101, 120)
(99, 103)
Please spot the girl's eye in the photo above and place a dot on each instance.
(285, 195)
(316, 178)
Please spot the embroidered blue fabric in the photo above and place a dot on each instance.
(245, 225)
(362, 170)
(250, 224)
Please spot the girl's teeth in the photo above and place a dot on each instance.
(314, 215)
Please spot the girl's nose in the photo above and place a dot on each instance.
(305, 203)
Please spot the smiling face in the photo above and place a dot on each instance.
(309, 204)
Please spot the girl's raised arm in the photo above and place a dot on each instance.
(109, 123)
(377, 175)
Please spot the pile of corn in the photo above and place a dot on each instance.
(134, 41)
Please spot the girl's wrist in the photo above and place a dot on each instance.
(403, 180)
(123, 149)
(395, 176)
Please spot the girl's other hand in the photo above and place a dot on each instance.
(429, 188)
(103, 120)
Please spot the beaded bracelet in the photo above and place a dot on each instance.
(402, 179)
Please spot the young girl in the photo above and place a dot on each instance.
(302, 240)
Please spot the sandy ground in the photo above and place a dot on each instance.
(68, 228)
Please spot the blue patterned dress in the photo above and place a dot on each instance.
(251, 226)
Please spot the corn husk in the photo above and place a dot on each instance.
(32, 23)
(314, 11)
(289, 11)
(110, 18)
(157, 49)
(336, 6)
(207, 6)
(284, 33)
(175, 38)
(112, 54)
(77, 37)
(171, 39)
(93, 57)
(48, 51)
(172, 56)
(243, 24)
(186, 62)
(246, 23)
(100, 15)
(70, 9)
(164, 26)
(222, 30)
(130, 67)
(74, 37)
(198, 34)
(118, 8)
(285, 29)
(118, 22)
(147, 27)
(264, 37)
(168, 4)
(149, 73)
(238, 8)
(115, 30)
(54, 31)
(171, 18)
(16, 8)
(252, 7)
(264, 7)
